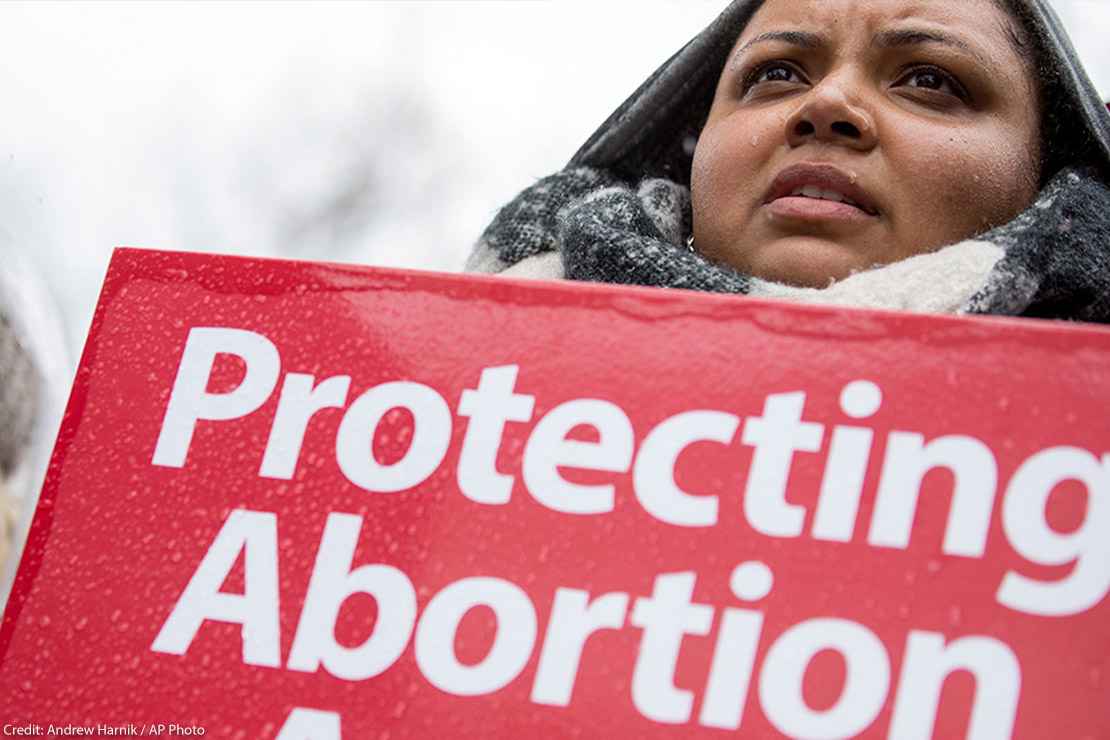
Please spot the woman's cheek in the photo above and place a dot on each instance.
(731, 157)
(954, 191)
(993, 185)
(717, 157)
(713, 180)
(996, 172)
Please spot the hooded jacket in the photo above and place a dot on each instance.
(620, 210)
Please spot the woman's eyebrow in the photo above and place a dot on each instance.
(917, 36)
(885, 39)
(796, 38)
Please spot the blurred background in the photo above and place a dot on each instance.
(383, 133)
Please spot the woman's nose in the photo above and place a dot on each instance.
(827, 114)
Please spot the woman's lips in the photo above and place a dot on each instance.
(819, 192)
(811, 209)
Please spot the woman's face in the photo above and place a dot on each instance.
(846, 134)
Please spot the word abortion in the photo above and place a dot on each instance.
(665, 617)
(775, 435)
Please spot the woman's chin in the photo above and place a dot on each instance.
(802, 261)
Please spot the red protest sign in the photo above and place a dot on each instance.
(299, 501)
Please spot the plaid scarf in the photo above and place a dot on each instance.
(1055, 264)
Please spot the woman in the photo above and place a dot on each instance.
(944, 156)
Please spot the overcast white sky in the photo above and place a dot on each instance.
(236, 127)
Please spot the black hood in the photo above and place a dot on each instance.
(653, 132)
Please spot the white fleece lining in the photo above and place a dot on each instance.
(937, 282)
(546, 266)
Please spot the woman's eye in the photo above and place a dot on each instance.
(777, 73)
(928, 78)
(772, 72)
